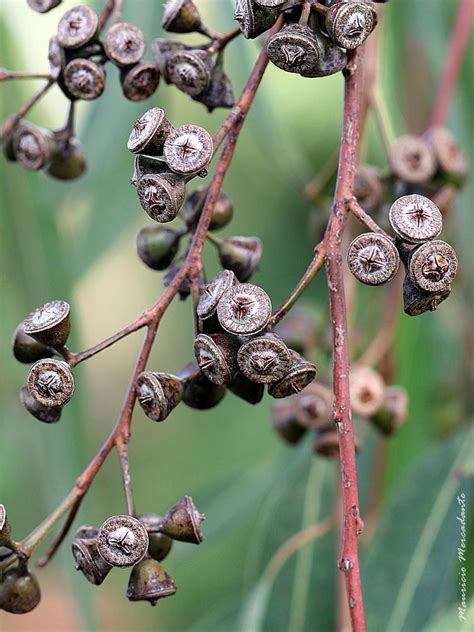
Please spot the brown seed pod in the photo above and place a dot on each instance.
(264, 359)
(43, 6)
(199, 392)
(295, 49)
(190, 71)
(244, 310)
(162, 50)
(332, 59)
(7, 133)
(147, 165)
(86, 556)
(417, 302)
(159, 545)
(366, 391)
(158, 393)
(51, 382)
(219, 93)
(315, 406)
(5, 529)
(32, 146)
(26, 349)
(49, 324)
(84, 79)
(183, 522)
(56, 57)
(122, 541)
(415, 218)
(77, 27)
(241, 255)
(125, 44)
(368, 188)
(188, 149)
(213, 292)
(242, 387)
(68, 163)
(181, 16)
(216, 356)
(149, 133)
(253, 18)
(301, 373)
(286, 422)
(433, 266)
(46, 414)
(373, 258)
(19, 591)
(350, 23)
(149, 581)
(161, 196)
(298, 329)
(140, 81)
(452, 161)
(393, 412)
(412, 159)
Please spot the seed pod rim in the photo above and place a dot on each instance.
(105, 548)
(416, 265)
(222, 282)
(405, 228)
(171, 189)
(387, 269)
(337, 17)
(129, 88)
(69, 41)
(199, 61)
(207, 150)
(96, 71)
(267, 340)
(67, 381)
(230, 323)
(109, 44)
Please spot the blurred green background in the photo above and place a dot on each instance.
(76, 242)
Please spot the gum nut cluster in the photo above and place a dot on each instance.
(141, 542)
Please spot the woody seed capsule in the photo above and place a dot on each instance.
(84, 79)
(417, 302)
(159, 544)
(51, 382)
(373, 258)
(183, 522)
(415, 218)
(32, 146)
(19, 591)
(213, 293)
(315, 406)
(294, 49)
(149, 133)
(219, 93)
(189, 71)
(181, 16)
(253, 18)
(301, 373)
(216, 356)
(125, 44)
(46, 414)
(157, 246)
(433, 266)
(412, 159)
(26, 349)
(68, 163)
(242, 387)
(149, 581)
(350, 23)
(5, 529)
(122, 541)
(158, 393)
(77, 27)
(241, 255)
(244, 310)
(140, 82)
(49, 324)
(56, 57)
(86, 556)
(188, 149)
(264, 359)
(393, 412)
(43, 6)
(161, 196)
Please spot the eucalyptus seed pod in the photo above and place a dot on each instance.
(393, 412)
(368, 188)
(162, 51)
(51, 382)
(78, 27)
(373, 258)
(350, 23)
(417, 302)
(87, 558)
(33, 147)
(159, 544)
(124, 44)
(19, 591)
(219, 93)
(68, 163)
(46, 414)
(264, 359)
(5, 529)
(366, 391)
(222, 212)
(122, 541)
(332, 59)
(49, 324)
(241, 255)
(315, 407)
(295, 48)
(149, 133)
(254, 19)
(8, 131)
(244, 309)
(188, 150)
(433, 266)
(242, 387)
(43, 6)
(216, 356)
(452, 161)
(147, 165)
(285, 421)
(213, 292)
(301, 373)
(161, 196)
(140, 82)
(185, 287)
(56, 57)
(183, 522)
(26, 349)
(157, 246)
(83, 79)
(190, 70)
(298, 330)
(415, 219)
(149, 581)
(181, 16)
(158, 394)
(412, 159)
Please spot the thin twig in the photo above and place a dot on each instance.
(61, 536)
(365, 218)
(6, 75)
(25, 108)
(122, 451)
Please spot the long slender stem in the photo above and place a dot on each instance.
(26, 107)
(122, 451)
(6, 75)
(365, 218)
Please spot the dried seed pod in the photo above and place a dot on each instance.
(286, 422)
(244, 310)
(158, 393)
(315, 407)
(368, 188)
(332, 59)
(188, 149)
(161, 196)
(49, 324)
(183, 522)
(219, 93)
(33, 147)
(56, 57)
(125, 44)
(216, 356)
(19, 591)
(46, 414)
(452, 161)
(181, 16)
(241, 386)
(162, 50)
(254, 19)
(140, 81)
(350, 23)
(241, 255)
(159, 544)
(7, 134)
(149, 133)
(43, 6)
(157, 246)
(68, 163)
(86, 556)
(417, 302)
(5, 529)
(412, 159)
(415, 218)
(393, 412)
(26, 349)
(270, 4)
(77, 27)
(295, 49)
(199, 392)
(146, 165)
(190, 71)
(433, 266)
(264, 359)
(122, 541)
(149, 582)
(373, 258)
(366, 391)
(84, 79)
(51, 382)
(221, 214)
(213, 292)
(298, 329)
(301, 373)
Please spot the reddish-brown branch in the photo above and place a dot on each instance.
(452, 66)
(61, 535)
(365, 218)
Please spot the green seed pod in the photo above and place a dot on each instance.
(69, 162)
(181, 16)
(158, 394)
(19, 591)
(122, 541)
(159, 544)
(242, 387)
(49, 324)
(86, 556)
(221, 215)
(301, 373)
(199, 392)
(26, 349)
(157, 246)
(149, 581)
(46, 414)
(183, 522)
(241, 255)
(285, 421)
